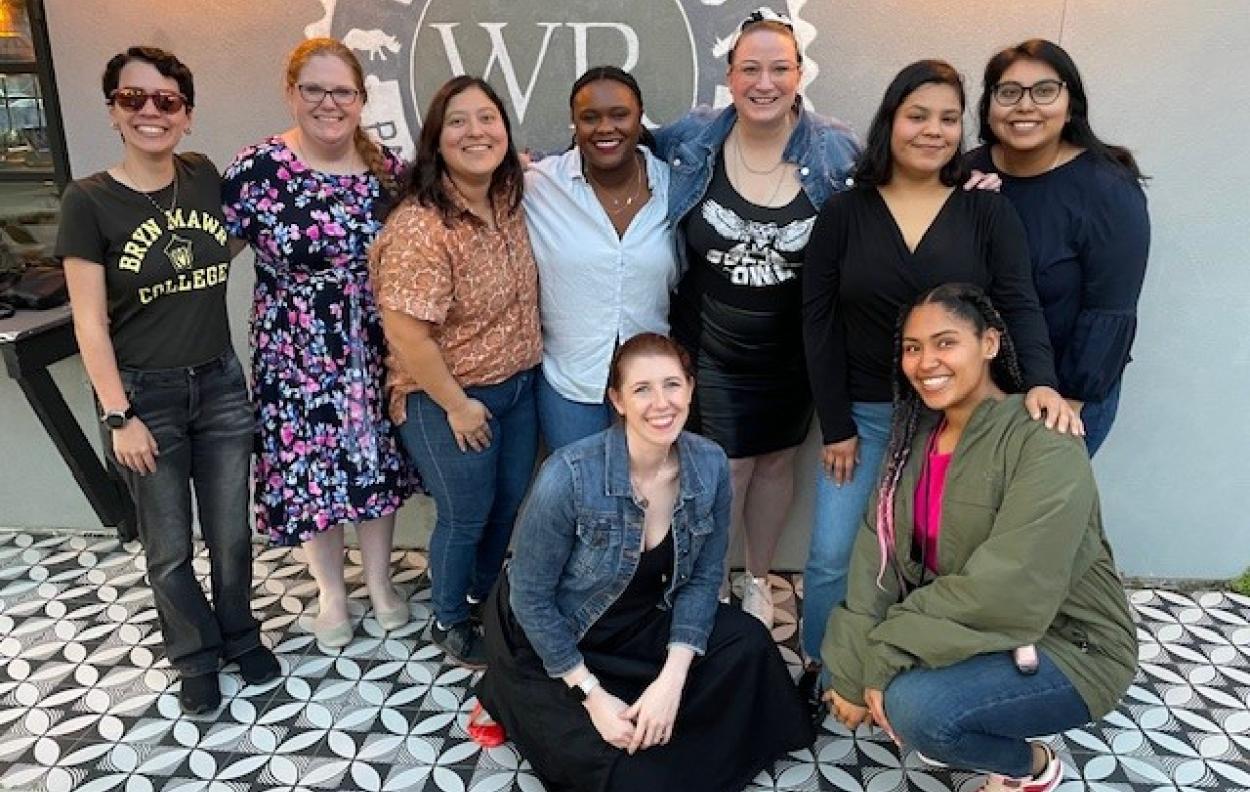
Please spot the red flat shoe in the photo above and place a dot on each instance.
(484, 731)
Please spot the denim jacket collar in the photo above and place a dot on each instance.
(616, 463)
(797, 148)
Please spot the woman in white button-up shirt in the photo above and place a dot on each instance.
(604, 247)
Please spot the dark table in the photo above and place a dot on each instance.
(31, 341)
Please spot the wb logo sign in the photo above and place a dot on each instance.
(531, 51)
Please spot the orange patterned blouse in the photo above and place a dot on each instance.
(478, 287)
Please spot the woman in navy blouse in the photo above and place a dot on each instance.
(1085, 214)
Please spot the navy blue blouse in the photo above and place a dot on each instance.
(1089, 236)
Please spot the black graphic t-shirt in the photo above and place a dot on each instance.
(165, 272)
(745, 255)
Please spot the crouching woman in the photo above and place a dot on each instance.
(610, 662)
(984, 607)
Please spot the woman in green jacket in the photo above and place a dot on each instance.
(984, 607)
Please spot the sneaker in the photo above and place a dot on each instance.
(461, 643)
(258, 666)
(1044, 781)
(475, 610)
(757, 599)
(812, 695)
(199, 694)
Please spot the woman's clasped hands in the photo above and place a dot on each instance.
(646, 723)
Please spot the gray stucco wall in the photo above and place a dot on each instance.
(1165, 76)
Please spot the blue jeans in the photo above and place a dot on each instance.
(836, 518)
(201, 419)
(477, 492)
(977, 714)
(563, 421)
(1098, 417)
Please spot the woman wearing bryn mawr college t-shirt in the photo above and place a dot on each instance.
(146, 258)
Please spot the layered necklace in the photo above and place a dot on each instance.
(618, 204)
(776, 168)
(173, 201)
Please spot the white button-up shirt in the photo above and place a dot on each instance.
(595, 288)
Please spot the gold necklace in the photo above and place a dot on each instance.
(173, 203)
(603, 192)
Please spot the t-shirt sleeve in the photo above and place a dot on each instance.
(79, 234)
(411, 265)
(1014, 294)
(238, 185)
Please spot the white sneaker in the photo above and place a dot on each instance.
(757, 599)
(1044, 781)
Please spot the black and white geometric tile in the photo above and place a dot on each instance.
(89, 704)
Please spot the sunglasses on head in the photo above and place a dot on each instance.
(133, 100)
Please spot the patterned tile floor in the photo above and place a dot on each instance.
(88, 703)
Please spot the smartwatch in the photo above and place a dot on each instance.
(116, 419)
(581, 691)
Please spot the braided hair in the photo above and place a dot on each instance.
(970, 304)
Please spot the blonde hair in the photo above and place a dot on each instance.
(369, 151)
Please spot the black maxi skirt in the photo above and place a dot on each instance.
(739, 711)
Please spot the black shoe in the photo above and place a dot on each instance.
(200, 694)
(475, 612)
(258, 666)
(461, 643)
(812, 695)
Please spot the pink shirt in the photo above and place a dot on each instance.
(929, 500)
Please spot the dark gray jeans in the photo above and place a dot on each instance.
(201, 419)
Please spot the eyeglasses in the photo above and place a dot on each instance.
(778, 72)
(315, 94)
(1042, 92)
(133, 100)
(765, 14)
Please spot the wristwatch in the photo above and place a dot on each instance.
(116, 419)
(581, 690)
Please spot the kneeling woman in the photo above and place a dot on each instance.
(985, 537)
(611, 663)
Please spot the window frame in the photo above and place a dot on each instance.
(45, 74)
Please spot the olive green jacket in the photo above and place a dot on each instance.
(1021, 560)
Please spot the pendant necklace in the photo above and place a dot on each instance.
(618, 205)
(173, 203)
(639, 498)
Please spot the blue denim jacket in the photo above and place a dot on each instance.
(579, 538)
(823, 149)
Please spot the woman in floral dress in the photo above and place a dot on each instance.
(310, 201)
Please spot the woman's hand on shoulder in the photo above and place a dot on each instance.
(655, 711)
(607, 713)
(984, 181)
(1044, 402)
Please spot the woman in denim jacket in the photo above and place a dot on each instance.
(610, 662)
(747, 183)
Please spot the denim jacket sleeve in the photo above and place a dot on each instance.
(545, 532)
(695, 604)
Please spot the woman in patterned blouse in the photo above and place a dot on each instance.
(458, 289)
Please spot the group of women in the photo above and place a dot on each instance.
(425, 324)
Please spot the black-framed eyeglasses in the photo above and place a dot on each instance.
(132, 100)
(315, 94)
(1042, 92)
(765, 14)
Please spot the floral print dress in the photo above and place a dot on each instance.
(326, 451)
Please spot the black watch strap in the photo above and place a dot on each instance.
(116, 419)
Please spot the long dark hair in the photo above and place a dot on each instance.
(876, 164)
(1077, 130)
(426, 183)
(969, 303)
(596, 73)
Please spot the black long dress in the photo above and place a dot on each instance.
(739, 710)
